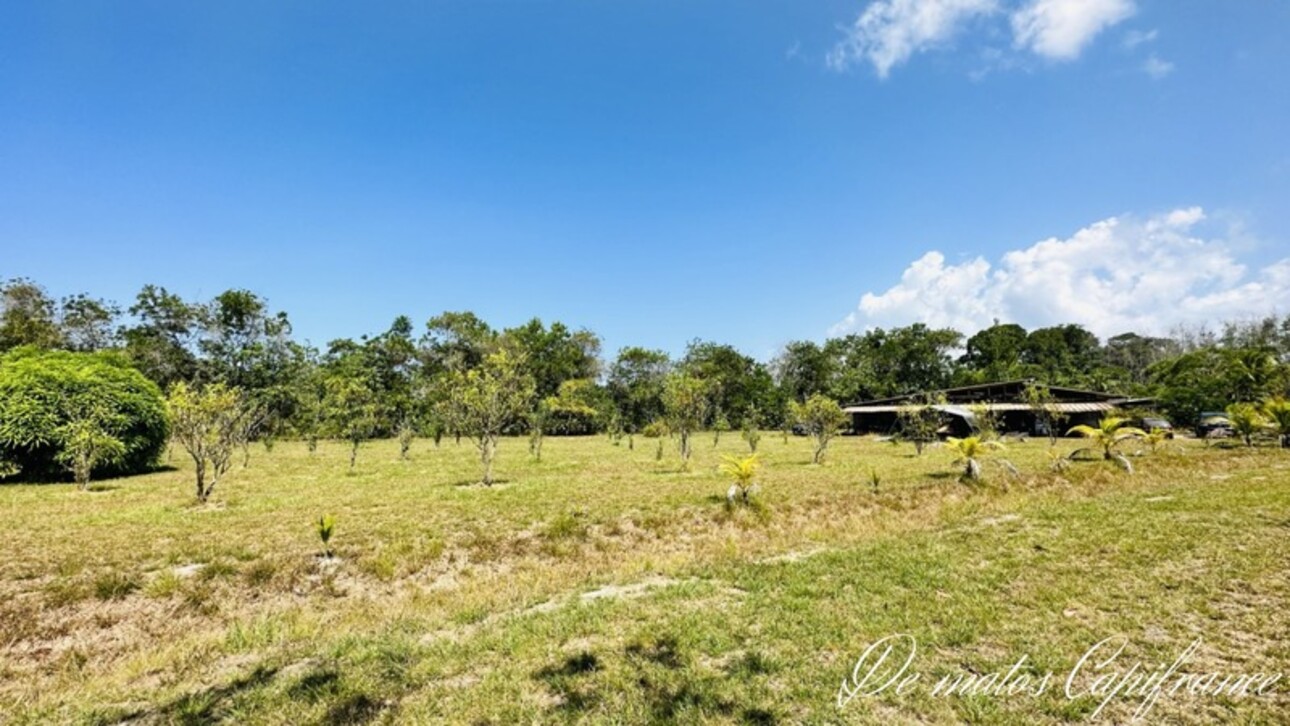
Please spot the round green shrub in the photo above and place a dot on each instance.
(38, 388)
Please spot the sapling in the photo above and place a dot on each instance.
(742, 471)
(326, 525)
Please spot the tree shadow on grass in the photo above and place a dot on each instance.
(202, 707)
(477, 484)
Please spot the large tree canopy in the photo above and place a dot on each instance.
(42, 392)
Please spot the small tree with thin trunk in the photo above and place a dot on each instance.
(1045, 408)
(208, 424)
(719, 425)
(685, 404)
(921, 420)
(407, 434)
(821, 416)
(484, 402)
(352, 411)
(752, 428)
(86, 440)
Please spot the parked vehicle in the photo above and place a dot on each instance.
(1214, 425)
(1157, 424)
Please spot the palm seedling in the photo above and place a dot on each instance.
(1246, 420)
(742, 471)
(1277, 411)
(968, 452)
(1108, 435)
(1155, 437)
(326, 525)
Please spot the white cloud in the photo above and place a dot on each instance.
(1120, 274)
(1059, 29)
(1157, 68)
(888, 32)
(1135, 38)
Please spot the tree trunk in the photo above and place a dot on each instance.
(353, 453)
(819, 452)
(685, 446)
(487, 448)
(201, 482)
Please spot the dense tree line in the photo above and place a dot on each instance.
(409, 380)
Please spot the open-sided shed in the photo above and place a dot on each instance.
(1005, 399)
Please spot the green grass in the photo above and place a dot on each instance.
(602, 585)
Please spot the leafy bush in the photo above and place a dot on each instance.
(655, 429)
(41, 393)
(821, 417)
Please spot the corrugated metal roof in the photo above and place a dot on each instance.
(1087, 407)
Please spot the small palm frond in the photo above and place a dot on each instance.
(741, 470)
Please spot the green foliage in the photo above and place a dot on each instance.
(1042, 404)
(921, 419)
(326, 526)
(484, 402)
(1210, 378)
(351, 405)
(635, 386)
(985, 420)
(53, 400)
(1277, 411)
(735, 382)
(752, 429)
(537, 423)
(995, 352)
(968, 452)
(407, 433)
(210, 425)
(553, 355)
(1108, 435)
(685, 404)
(27, 316)
(656, 429)
(720, 425)
(1247, 420)
(86, 441)
(821, 416)
(576, 409)
(741, 470)
(893, 362)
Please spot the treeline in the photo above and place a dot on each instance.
(398, 381)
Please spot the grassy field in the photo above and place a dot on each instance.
(601, 585)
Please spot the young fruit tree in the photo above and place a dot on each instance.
(821, 416)
(921, 420)
(685, 404)
(484, 402)
(86, 439)
(752, 428)
(351, 410)
(1045, 408)
(208, 424)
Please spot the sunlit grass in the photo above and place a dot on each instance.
(601, 584)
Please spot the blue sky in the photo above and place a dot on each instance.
(657, 171)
